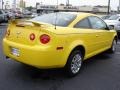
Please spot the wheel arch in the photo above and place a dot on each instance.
(81, 48)
(77, 47)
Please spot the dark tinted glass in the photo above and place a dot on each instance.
(60, 19)
(0, 12)
(83, 24)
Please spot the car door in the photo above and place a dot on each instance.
(89, 35)
(102, 33)
(117, 25)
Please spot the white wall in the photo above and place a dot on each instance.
(0, 4)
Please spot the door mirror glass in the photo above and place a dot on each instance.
(111, 27)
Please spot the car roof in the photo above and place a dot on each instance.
(74, 12)
(79, 13)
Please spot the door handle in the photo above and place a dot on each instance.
(97, 35)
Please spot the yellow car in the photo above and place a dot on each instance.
(57, 40)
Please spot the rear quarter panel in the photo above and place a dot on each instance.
(70, 38)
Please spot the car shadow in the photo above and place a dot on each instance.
(52, 78)
(98, 59)
(26, 71)
(35, 73)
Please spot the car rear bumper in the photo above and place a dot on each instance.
(37, 56)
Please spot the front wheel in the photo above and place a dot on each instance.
(74, 63)
(113, 47)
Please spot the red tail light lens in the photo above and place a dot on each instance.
(32, 36)
(44, 39)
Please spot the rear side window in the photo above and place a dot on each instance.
(83, 24)
(59, 19)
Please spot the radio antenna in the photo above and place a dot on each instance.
(56, 14)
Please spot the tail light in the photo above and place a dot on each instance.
(44, 39)
(32, 36)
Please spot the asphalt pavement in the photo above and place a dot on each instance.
(101, 72)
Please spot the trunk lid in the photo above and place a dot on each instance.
(20, 31)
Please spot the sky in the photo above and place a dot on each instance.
(114, 3)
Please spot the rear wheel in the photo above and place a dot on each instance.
(74, 63)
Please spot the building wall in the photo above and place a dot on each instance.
(7, 4)
(91, 9)
(85, 8)
(0, 4)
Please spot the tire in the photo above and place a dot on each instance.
(113, 47)
(74, 63)
(118, 33)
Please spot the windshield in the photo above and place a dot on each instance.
(105, 17)
(114, 17)
(59, 19)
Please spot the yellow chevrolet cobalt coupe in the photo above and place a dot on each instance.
(58, 40)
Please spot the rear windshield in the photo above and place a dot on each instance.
(59, 19)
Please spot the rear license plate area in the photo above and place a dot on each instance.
(15, 51)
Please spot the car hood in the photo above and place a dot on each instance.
(111, 22)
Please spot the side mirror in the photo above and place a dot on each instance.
(119, 20)
(111, 27)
